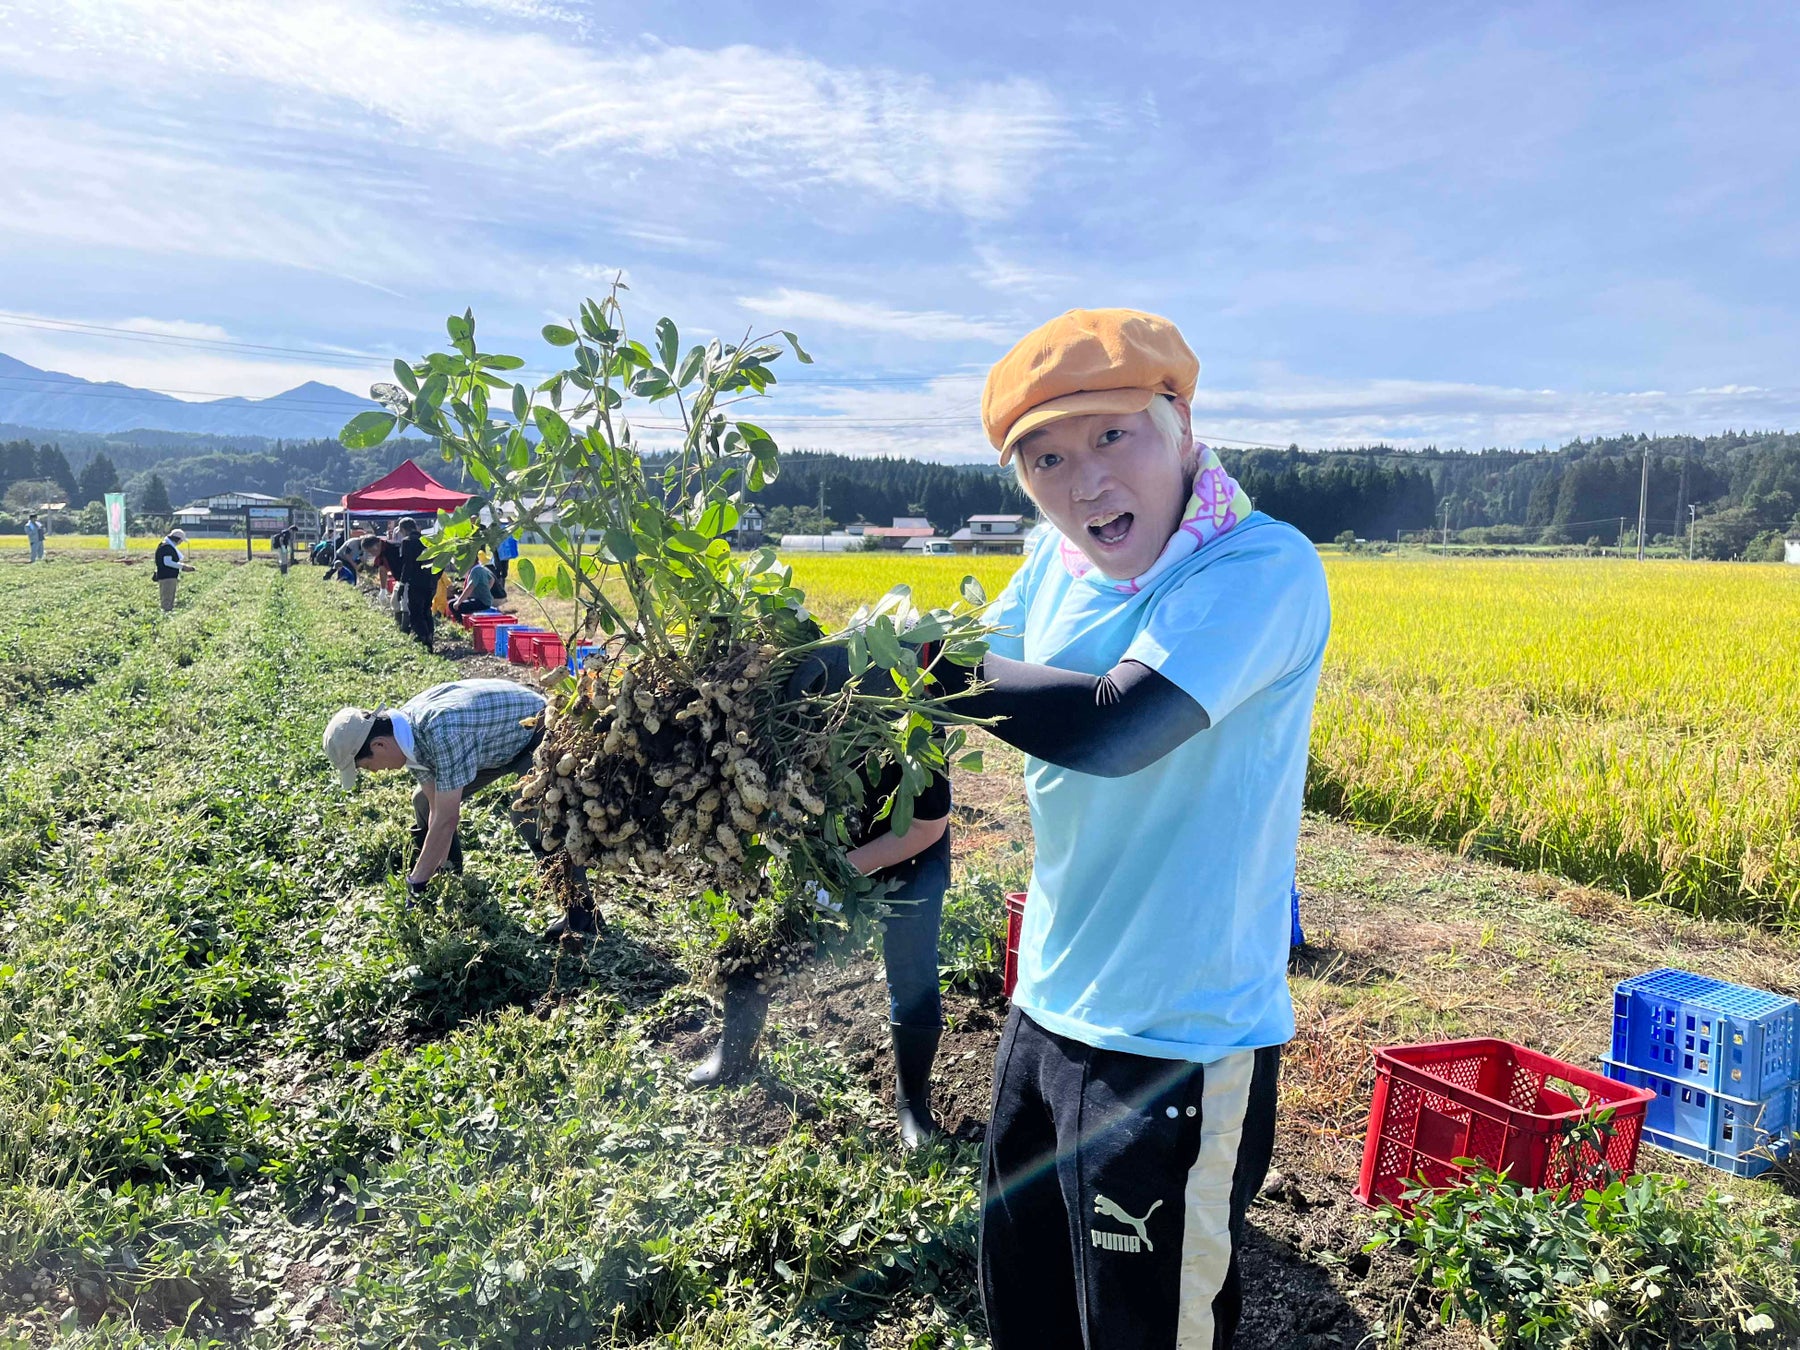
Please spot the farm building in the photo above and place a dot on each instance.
(902, 532)
(1793, 551)
(838, 542)
(991, 534)
(748, 532)
(223, 514)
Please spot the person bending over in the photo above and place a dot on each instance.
(455, 739)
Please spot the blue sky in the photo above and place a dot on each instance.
(1462, 224)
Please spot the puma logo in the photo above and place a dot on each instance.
(1123, 1242)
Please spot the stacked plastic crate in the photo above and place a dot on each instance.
(1723, 1061)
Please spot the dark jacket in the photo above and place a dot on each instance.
(168, 561)
(931, 804)
(409, 564)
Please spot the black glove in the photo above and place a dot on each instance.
(820, 673)
(415, 890)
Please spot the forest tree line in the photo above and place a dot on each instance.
(1743, 488)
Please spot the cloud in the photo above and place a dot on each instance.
(769, 116)
(73, 183)
(180, 328)
(999, 272)
(791, 306)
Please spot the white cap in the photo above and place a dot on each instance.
(345, 734)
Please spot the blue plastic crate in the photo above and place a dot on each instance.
(1733, 1134)
(505, 630)
(1739, 1041)
(581, 654)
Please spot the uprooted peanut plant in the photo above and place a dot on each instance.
(685, 750)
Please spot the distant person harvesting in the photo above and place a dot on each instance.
(455, 739)
(170, 562)
(477, 593)
(34, 535)
(418, 577)
(1158, 661)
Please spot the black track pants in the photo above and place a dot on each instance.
(1115, 1190)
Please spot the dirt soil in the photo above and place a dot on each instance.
(1405, 943)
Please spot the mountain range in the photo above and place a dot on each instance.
(53, 401)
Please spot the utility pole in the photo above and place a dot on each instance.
(1621, 548)
(1446, 548)
(1690, 532)
(1643, 499)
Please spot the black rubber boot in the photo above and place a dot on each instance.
(914, 1050)
(746, 1009)
(578, 923)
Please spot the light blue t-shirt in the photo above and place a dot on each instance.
(1159, 916)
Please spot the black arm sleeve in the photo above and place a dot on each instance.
(1108, 725)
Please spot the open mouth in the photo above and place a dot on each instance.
(1110, 530)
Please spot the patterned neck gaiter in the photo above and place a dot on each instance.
(1217, 505)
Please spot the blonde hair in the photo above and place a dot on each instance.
(1168, 421)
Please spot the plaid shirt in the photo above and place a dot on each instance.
(466, 726)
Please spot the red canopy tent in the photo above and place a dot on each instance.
(408, 490)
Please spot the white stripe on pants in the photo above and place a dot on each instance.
(1206, 1234)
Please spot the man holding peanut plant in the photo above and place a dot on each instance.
(455, 739)
(1157, 661)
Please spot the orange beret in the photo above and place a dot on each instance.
(1085, 361)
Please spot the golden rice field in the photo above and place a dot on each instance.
(1631, 726)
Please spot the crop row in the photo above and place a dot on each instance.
(238, 1072)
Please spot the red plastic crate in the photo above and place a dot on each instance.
(1498, 1103)
(548, 649)
(1015, 923)
(521, 647)
(481, 630)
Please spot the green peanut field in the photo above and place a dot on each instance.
(248, 1096)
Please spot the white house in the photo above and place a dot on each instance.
(1793, 551)
(991, 534)
(223, 513)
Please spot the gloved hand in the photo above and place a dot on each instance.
(821, 898)
(820, 673)
(415, 890)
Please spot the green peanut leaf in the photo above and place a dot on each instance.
(668, 343)
(366, 430)
(558, 336)
(690, 366)
(970, 762)
(718, 519)
(620, 546)
(551, 425)
(521, 403)
(884, 643)
(404, 374)
(972, 591)
(503, 362)
(527, 571)
(794, 342)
